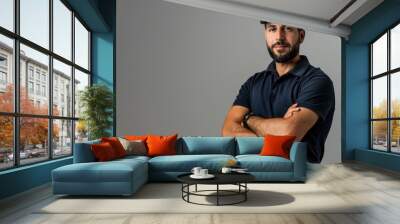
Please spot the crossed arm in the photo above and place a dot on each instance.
(297, 121)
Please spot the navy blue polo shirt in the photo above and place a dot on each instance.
(269, 96)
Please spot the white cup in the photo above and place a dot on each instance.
(226, 170)
(203, 172)
(196, 170)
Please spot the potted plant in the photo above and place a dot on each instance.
(96, 102)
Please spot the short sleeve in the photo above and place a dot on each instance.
(317, 94)
(243, 97)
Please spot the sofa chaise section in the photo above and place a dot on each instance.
(87, 177)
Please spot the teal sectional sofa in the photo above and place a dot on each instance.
(125, 176)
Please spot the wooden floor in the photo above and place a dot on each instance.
(378, 188)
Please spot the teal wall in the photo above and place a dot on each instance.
(355, 55)
(99, 15)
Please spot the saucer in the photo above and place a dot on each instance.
(208, 176)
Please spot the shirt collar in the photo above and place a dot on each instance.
(298, 70)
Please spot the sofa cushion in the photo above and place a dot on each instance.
(249, 145)
(257, 163)
(206, 145)
(185, 163)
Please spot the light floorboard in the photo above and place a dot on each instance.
(354, 182)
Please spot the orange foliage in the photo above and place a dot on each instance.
(33, 130)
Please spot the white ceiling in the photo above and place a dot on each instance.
(322, 16)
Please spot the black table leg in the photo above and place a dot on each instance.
(245, 193)
(217, 194)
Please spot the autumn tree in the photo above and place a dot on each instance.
(380, 127)
(33, 131)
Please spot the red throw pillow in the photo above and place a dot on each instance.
(161, 145)
(116, 145)
(277, 145)
(103, 151)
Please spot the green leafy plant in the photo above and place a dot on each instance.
(96, 102)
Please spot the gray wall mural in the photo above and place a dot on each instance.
(180, 68)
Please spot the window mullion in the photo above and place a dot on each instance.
(73, 82)
(50, 81)
(389, 76)
(16, 84)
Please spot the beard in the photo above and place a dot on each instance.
(283, 58)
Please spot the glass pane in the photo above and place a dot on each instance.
(35, 21)
(81, 131)
(395, 94)
(379, 97)
(379, 135)
(62, 138)
(81, 45)
(379, 55)
(7, 14)
(81, 81)
(62, 89)
(34, 97)
(6, 142)
(395, 136)
(62, 29)
(395, 47)
(33, 139)
(6, 74)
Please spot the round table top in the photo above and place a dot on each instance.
(220, 178)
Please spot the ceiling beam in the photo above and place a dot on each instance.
(271, 15)
(346, 12)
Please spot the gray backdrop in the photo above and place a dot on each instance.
(180, 68)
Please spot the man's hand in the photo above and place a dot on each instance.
(292, 109)
(234, 121)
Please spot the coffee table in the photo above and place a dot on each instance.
(238, 179)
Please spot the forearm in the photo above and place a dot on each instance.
(237, 130)
(272, 126)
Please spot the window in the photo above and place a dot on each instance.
(35, 21)
(3, 78)
(81, 45)
(3, 72)
(38, 89)
(44, 131)
(385, 94)
(44, 91)
(30, 72)
(62, 29)
(3, 61)
(7, 14)
(37, 74)
(30, 87)
(62, 74)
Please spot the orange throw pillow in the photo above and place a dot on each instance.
(161, 145)
(277, 145)
(103, 151)
(116, 145)
(135, 138)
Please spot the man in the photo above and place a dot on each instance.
(290, 97)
